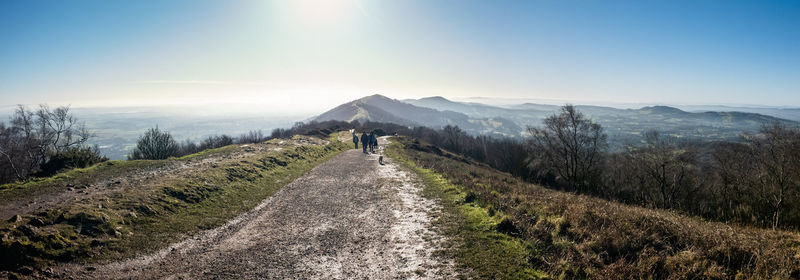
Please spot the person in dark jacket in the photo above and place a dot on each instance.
(355, 140)
(372, 142)
(364, 140)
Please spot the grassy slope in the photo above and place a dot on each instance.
(146, 218)
(511, 229)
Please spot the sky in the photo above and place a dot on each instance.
(315, 54)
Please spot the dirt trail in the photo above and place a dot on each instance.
(348, 218)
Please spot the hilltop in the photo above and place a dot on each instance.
(378, 108)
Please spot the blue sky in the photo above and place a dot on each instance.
(272, 52)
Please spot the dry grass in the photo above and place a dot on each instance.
(575, 236)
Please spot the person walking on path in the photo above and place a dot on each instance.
(364, 140)
(372, 142)
(355, 140)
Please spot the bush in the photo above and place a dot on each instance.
(254, 136)
(154, 144)
(76, 157)
(213, 142)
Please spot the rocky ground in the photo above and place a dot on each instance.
(349, 218)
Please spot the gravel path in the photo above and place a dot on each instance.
(349, 218)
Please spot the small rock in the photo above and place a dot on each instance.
(15, 219)
(28, 230)
(36, 222)
(26, 270)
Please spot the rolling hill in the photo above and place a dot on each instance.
(378, 108)
(623, 125)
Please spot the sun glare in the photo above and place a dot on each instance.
(323, 11)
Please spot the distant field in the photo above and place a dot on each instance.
(116, 131)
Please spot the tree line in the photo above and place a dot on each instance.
(159, 144)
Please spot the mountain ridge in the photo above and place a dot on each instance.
(622, 125)
(379, 108)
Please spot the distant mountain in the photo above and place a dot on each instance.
(784, 113)
(622, 125)
(379, 108)
(470, 109)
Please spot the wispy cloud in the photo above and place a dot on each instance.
(200, 82)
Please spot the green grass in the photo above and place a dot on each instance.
(38, 185)
(142, 219)
(483, 251)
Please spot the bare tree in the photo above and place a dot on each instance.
(667, 167)
(34, 136)
(453, 138)
(732, 165)
(777, 155)
(253, 136)
(570, 146)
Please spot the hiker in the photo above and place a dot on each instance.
(364, 140)
(355, 140)
(372, 142)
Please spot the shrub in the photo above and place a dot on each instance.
(154, 144)
(76, 157)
